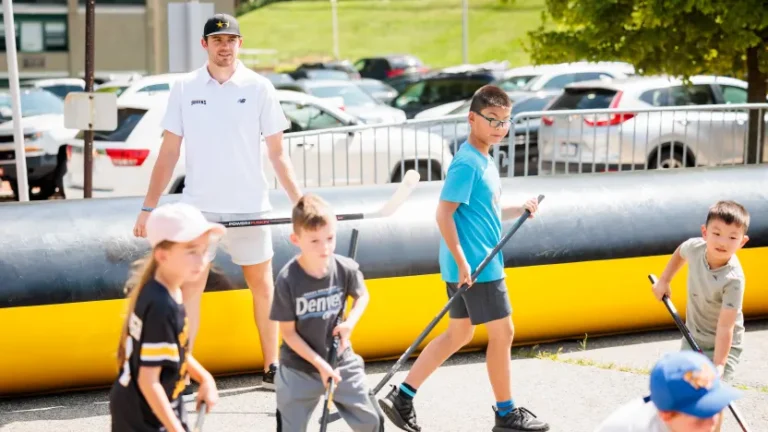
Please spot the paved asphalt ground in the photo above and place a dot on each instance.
(573, 390)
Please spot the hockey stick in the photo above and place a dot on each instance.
(403, 358)
(335, 346)
(401, 194)
(689, 338)
(200, 417)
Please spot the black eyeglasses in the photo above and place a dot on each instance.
(495, 123)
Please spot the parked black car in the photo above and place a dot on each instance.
(442, 87)
(390, 67)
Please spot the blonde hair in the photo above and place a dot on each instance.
(311, 213)
(143, 271)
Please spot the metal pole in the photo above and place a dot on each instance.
(194, 33)
(335, 21)
(13, 82)
(90, 5)
(465, 31)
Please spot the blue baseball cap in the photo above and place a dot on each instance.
(687, 382)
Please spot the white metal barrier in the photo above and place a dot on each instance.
(539, 143)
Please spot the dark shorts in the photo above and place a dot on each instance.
(483, 302)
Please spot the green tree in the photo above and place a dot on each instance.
(675, 37)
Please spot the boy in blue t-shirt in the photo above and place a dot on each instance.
(469, 216)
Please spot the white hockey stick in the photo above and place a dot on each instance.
(398, 198)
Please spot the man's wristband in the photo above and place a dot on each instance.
(147, 209)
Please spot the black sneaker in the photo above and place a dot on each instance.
(268, 381)
(399, 411)
(518, 420)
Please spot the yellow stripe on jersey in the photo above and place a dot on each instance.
(159, 352)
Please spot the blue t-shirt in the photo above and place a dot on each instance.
(473, 181)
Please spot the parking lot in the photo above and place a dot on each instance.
(569, 385)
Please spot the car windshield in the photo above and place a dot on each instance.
(33, 102)
(352, 94)
(515, 83)
(536, 103)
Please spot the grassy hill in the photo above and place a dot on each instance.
(429, 29)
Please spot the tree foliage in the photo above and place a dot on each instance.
(675, 37)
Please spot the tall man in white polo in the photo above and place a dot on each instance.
(221, 111)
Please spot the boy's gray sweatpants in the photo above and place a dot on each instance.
(298, 393)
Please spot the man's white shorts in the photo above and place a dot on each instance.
(246, 245)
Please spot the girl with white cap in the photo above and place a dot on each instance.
(153, 353)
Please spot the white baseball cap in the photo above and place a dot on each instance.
(179, 222)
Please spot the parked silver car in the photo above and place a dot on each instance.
(714, 135)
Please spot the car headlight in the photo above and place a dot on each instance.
(31, 140)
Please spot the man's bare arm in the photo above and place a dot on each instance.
(163, 169)
(282, 166)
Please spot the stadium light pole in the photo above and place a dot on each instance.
(465, 31)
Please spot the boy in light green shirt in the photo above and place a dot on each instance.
(716, 285)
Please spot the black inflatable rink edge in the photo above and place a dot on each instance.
(75, 251)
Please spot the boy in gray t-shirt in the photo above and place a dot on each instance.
(309, 295)
(716, 285)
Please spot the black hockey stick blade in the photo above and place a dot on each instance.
(689, 338)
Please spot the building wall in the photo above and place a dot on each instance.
(128, 38)
(120, 39)
(220, 6)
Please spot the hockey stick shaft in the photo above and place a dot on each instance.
(201, 417)
(410, 180)
(335, 346)
(403, 358)
(689, 338)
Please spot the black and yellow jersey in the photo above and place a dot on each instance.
(157, 336)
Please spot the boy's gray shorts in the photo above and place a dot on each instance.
(483, 302)
(734, 357)
(298, 394)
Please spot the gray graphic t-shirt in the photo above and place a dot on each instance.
(709, 291)
(314, 304)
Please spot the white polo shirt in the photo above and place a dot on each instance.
(221, 126)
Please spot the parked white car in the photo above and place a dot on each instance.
(44, 133)
(348, 96)
(638, 139)
(123, 159)
(58, 86)
(519, 83)
(161, 83)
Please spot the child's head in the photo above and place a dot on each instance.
(183, 243)
(489, 114)
(687, 392)
(725, 229)
(314, 227)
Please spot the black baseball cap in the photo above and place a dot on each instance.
(221, 23)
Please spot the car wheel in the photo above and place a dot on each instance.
(423, 171)
(669, 159)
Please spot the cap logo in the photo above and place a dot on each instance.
(221, 24)
(703, 378)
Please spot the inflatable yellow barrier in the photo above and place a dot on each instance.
(580, 266)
